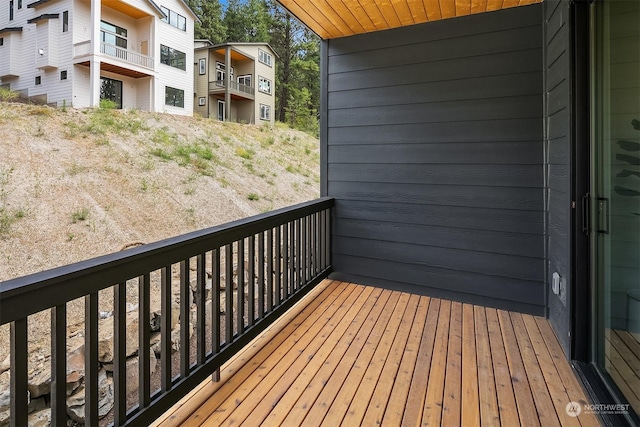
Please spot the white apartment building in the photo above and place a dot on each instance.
(247, 93)
(138, 53)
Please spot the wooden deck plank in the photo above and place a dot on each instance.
(321, 298)
(489, 413)
(277, 404)
(419, 380)
(453, 380)
(626, 371)
(521, 387)
(363, 394)
(557, 392)
(470, 395)
(400, 392)
(355, 355)
(237, 388)
(317, 412)
(566, 375)
(281, 375)
(300, 410)
(370, 361)
(504, 388)
(432, 413)
(543, 404)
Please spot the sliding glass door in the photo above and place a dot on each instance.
(616, 194)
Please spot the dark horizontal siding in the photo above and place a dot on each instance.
(435, 155)
(558, 152)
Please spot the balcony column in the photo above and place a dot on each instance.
(94, 73)
(227, 84)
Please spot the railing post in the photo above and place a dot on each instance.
(120, 353)
(91, 359)
(59, 365)
(19, 377)
(185, 311)
(165, 328)
(144, 336)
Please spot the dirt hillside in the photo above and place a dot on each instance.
(77, 184)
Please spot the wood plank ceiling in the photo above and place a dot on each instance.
(340, 18)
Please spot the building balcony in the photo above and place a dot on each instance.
(115, 55)
(237, 90)
(265, 338)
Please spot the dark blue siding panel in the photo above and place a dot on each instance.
(434, 141)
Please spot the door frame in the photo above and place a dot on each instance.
(583, 293)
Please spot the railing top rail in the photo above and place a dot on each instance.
(30, 294)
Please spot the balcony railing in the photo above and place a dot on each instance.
(234, 87)
(253, 270)
(84, 49)
(126, 55)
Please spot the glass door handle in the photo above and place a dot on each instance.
(586, 213)
(603, 215)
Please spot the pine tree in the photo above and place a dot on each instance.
(211, 26)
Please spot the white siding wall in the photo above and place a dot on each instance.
(147, 93)
(173, 37)
(57, 44)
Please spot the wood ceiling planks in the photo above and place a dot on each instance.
(340, 18)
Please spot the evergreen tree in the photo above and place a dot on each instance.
(211, 26)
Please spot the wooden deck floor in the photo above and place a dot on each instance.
(353, 355)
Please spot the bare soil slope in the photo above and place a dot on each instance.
(77, 184)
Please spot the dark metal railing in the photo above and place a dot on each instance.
(278, 257)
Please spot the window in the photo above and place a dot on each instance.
(245, 80)
(174, 97)
(38, 80)
(173, 57)
(264, 57)
(221, 110)
(1, 41)
(63, 75)
(201, 101)
(11, 10)
(113, 35)
(264, 85)
(111, 89)
(265, 112)
(202, 66)
(174, 18)
(19, 4)
(65, 21)
(220, 68)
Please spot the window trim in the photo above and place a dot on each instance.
(115, 33)
(171, 56)
(11, 10)
(266, 108)
(262, 54)
(1, 41)
(65, 21)
(169, 13)
(38, 80)
(260, 80)
(202, 101)
(202, 66)
(64, 75)
(244, 77)
(166, 94)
